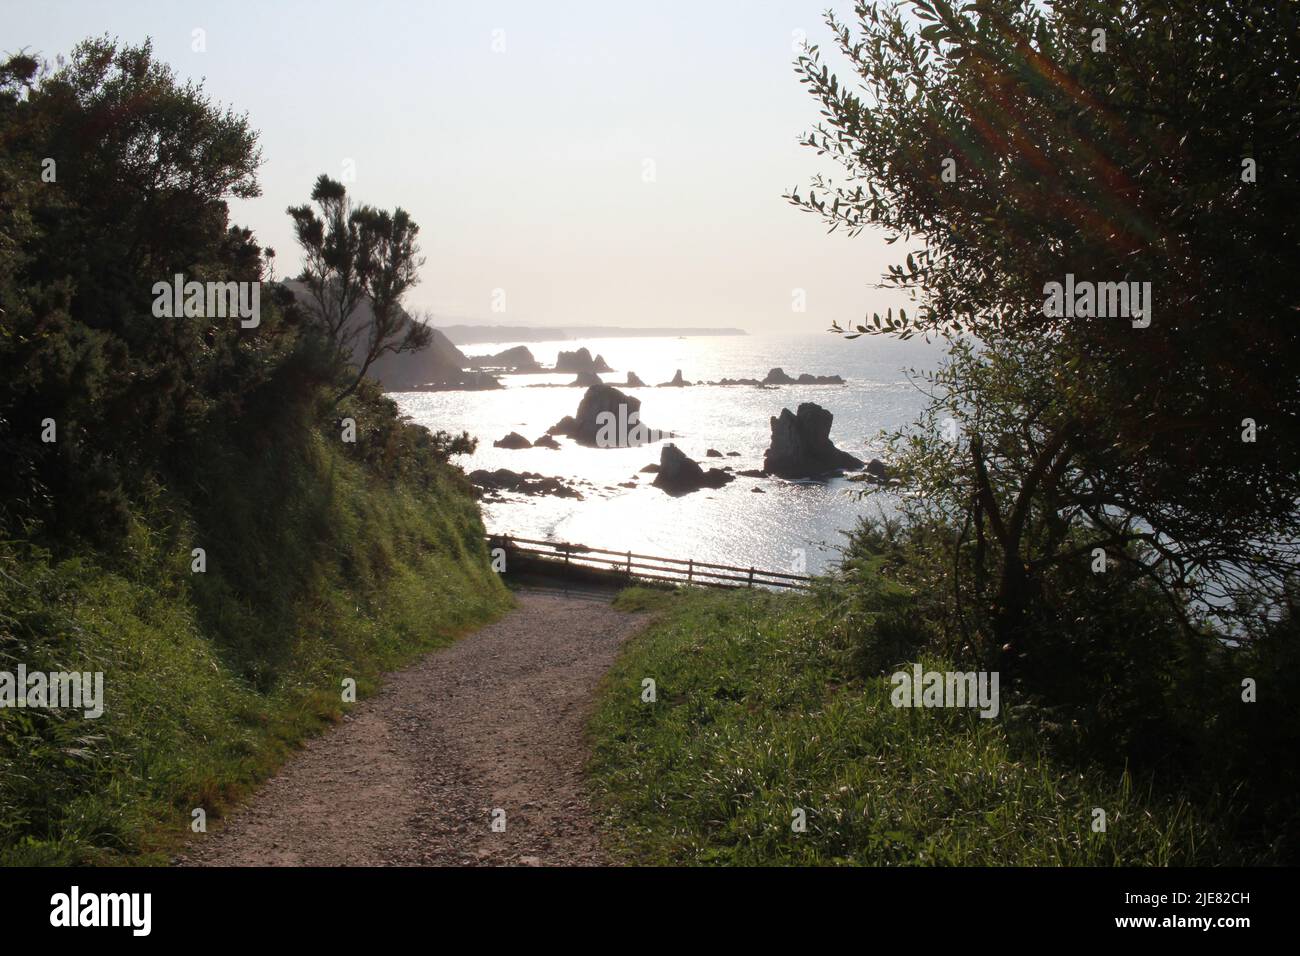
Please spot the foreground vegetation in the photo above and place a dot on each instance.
(768, 704)
(223, 517)
(319, 574)
(1098, 503)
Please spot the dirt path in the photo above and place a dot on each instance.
(413, 775)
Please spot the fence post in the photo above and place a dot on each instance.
(690, 570)
(751, 577)
(629, 565)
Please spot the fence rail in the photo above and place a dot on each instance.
(562, 557)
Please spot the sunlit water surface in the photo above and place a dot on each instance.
(731, 525)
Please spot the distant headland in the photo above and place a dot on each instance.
(476, 334)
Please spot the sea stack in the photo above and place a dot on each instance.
(581, 361)
(801, 445)
(679, 475)
(606, 417)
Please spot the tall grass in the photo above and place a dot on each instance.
(763, 710)
(316, 571)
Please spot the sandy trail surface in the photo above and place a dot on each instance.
(414, 775)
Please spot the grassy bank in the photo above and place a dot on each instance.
(317, 571)
(764, 708)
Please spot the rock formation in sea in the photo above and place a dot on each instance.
(513, 440)
(679, 475)
(581, 361)
(634, 381)
(606, 417)
(586, 380)
(546, 441)
(517, 359)
(778, 376)
(805, 379)
(876, 471)
(521, 482)
(801, 445)
(677, 382)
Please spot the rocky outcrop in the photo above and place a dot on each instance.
(777, 376)
(805, 379)
(517, 359)
(592, 426)
(565, 426)
(634, 381)
(713, 453)
(677, 382)
(679, 475)
(752, 382)
(581, 361)
(522, 482)
(877, 472)
(586, 380)
(801, 445)
(546, 441)
(513, 440)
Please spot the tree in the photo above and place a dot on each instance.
(352, 255)
(114, 175)
(1012, 145)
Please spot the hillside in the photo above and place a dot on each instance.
(317, 573)
(440, 362)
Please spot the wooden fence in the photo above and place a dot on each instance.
(559, 557)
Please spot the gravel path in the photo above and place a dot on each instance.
(413, 775)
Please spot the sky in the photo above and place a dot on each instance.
(569, 163)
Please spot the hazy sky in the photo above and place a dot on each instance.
(520, 136)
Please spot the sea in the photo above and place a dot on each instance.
(791, 526)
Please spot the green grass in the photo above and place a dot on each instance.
(636, 599)
(317, 572)
(761, 711)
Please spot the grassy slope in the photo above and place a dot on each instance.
(315, 573)
(760, 711)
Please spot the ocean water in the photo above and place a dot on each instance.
(774, 530)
